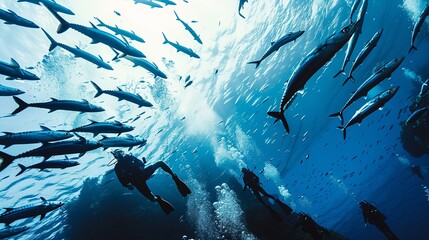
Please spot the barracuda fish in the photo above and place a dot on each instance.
(418, 26)
(131, 35)
(14, 71)
(152, 4)
(48, 150)
(128, 141)
(376, 78)
(52, 164)
(189, 29)
(50, 4)
(275, 46)
(8, 231)
(241, 6)
(79, 53)
(10, 17)
(416, 115)
(316, 59)
(180, 48)
(27, 211)
(352, 43)
(104, 127)
(9, 91)
(44, 136)
(122, 95)
(97, 36)
(55, 104)
(376, 103)
(151, 67)
(369, 46)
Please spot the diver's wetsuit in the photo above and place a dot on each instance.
(131, 170)
(252, 181)
(310, 226)
(373, 216)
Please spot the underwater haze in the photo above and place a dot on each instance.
(209, 129)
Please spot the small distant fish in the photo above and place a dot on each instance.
(424, 88)
(117, 13)
(61, 164)
(122, 95)
(9, 91)
(240, 7)
(148, 3)
(188, 84)
(189, 29)
(187, 78)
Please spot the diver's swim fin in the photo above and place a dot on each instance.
(288, 210)
(166, 206)
(183, 189)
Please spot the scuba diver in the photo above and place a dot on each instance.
(132, 172)
(311, 227)
(252, 181)
(373, 216)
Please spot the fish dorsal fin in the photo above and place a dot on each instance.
(14, 63)
(54, 99)
(45, 128)
(43, 199)
(8, 209)
(133, 32)
(117, 122)
(93, 26)
(77, 47)
(125, 40)
(116, 25)
(12, 12)
(119, 89)
(154, 64)
(272, 43)
(81, 139)
(100, 58)
(104, 137)
(92, 121)
(129, 136)
(85, 101)
(7, 133)
(67, 158)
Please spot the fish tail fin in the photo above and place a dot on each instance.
(281, 117)
(339, 115)
(165, 39)
(21, 105)
(343, 129)
(22, 169)
(347, 79)
(177, 16)
(54, 43)
(98, 88)
(100, 23)
(412, 48)
(5, 160)
(255, 62)
(338, 73)
(241, 15)
(64, 25)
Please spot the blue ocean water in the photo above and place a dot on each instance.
(208, 131)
